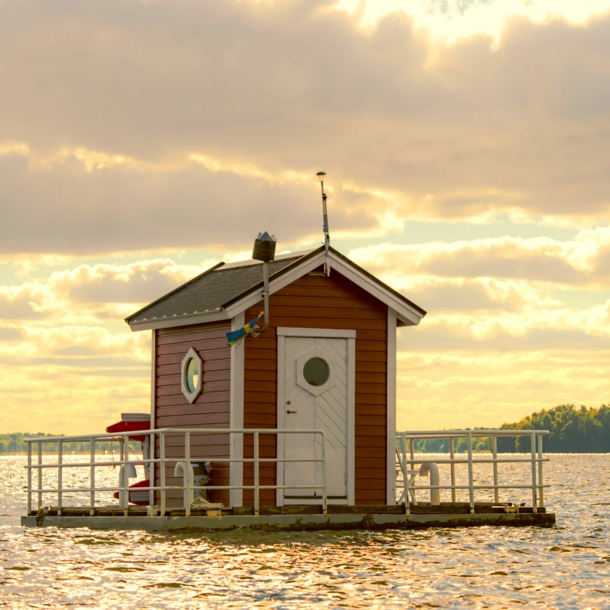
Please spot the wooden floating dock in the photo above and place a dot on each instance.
(305, 414)
(295, 518)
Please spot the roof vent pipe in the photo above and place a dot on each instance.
(264, 250)
(321, 175)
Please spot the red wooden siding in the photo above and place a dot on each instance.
(323, 302)
(210, 410)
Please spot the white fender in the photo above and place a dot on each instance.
(431, 468)
(126, 471)
(185, 470)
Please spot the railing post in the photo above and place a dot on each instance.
(540, 475)
(452, 457)
(256, 475)
(29, 477)
(398, 461)
(325, 497)
(125, 481)
(60, 477)
(162, 472)
(150, 469)
(39, 474)
(534, 482)
(405, 477)
(403, 448)
(187, 456)
(92, 476)
(494, 450)
(470, 473)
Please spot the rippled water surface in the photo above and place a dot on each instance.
(567, 566)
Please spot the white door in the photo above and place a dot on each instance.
(316, 396)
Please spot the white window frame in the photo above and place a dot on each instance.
(191, 355)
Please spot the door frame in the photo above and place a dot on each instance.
(318, 333)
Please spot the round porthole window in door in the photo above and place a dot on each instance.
(316, 371)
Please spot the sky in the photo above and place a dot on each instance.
(466, 145)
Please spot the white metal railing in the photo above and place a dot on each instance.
(407, 460)
(35, 449)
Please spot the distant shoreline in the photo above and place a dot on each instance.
(571, 431)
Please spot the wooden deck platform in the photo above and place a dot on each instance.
(295, 518)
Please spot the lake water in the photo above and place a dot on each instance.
(567, 566)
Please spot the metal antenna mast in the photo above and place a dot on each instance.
(325, 225)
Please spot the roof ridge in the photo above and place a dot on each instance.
(253, 263)
(278, 273)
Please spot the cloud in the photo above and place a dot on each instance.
(469, 337)
(19, 308)
(137, 125)
(93, 210)
(132, 126)
(452, 20)
(440, 390)
(140, 282)
(439, 295)
(8, 333)
(579, 262)
(24, 302)
(75, 400)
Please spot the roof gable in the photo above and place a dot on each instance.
(221, 293)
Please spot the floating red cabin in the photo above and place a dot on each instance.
(327, 361)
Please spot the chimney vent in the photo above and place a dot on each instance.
(264, 247)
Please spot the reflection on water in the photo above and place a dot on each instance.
(567, 566)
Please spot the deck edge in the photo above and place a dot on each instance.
(359, 521)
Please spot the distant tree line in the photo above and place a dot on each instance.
(14, 443)
(571, 430)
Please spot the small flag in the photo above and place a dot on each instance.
(236, 336)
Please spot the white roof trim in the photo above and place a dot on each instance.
(408, 315)
(183, 320)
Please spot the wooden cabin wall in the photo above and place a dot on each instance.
(323, 302)
(211, 409)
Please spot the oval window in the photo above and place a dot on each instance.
(316, 371)
(192, 375)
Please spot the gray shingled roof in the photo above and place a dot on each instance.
(221, 286)
(209, 291)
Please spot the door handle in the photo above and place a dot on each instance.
(289, 411)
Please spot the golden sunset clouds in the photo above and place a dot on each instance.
(466, 146)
